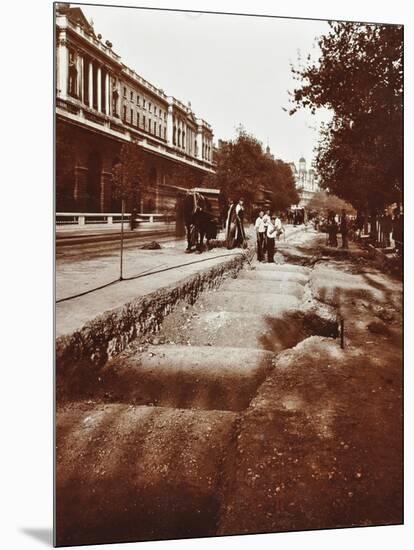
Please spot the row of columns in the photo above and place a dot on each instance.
(200, 153)
(100, 77)
(103, 104)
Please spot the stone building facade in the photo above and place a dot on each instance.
(101, 104)
(306, 182)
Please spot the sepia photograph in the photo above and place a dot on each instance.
(229, 269)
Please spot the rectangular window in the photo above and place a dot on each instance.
(143, 122)
(132, 116)
(125, 91)
(160, 130)
(132, 96)
(124, 113)
(137, 99)
(149, 107)
(144, 103)
(165, 133)
(137, 119)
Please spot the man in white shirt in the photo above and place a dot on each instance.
(260, 227)
(266, 217)
(278, 226)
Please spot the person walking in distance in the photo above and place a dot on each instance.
(132, 221)
(271, 233)
(260, 227)
(332, 230)
(343, 228)
(397, 231)
(387, 228)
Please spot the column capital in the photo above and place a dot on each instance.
(63, 41)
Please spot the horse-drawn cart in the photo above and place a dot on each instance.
(198, 216)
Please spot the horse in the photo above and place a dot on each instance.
(198, 221)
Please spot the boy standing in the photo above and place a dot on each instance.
(270, 237)
(260, 227)
(278, 225)
(343, 228)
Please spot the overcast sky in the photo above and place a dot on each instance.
(234, 69)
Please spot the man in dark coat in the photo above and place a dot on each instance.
(397, 231)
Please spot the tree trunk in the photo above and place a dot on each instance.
(121, 257)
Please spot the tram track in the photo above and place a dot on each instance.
(67, 240)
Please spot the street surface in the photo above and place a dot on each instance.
(74, 243)
(78, 270)
(243, 414)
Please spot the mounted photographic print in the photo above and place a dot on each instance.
(229, 260)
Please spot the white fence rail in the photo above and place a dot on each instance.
(109, 218)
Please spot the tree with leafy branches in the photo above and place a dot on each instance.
(323, 203)
(128, 179)
(359, 78)
(243, 170)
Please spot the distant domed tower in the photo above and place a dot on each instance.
(302, 164)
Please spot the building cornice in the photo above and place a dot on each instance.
(114, 128)
(87, 44)
(137, 80)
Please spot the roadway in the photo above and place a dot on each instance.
(74, 245)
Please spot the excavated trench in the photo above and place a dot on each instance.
(143, 451)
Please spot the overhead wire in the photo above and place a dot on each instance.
(147, 272)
